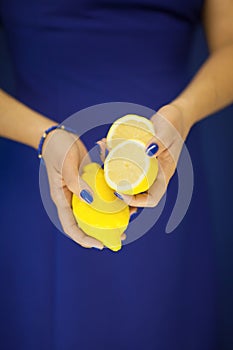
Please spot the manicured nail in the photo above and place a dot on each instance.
(96, 248)
(152, 149)
(86, 196)
(118, 195)
(100, 150)
(98, 146)
(133, 216)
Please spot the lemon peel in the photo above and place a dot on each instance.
(130, 127)
(107, 217)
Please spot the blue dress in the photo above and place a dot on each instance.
(158, 292)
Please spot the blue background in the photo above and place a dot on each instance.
(216, 133)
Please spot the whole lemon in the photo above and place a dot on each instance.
(107, 217)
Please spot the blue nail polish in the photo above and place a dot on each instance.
(134, 215)
(152, 149)
(99, 149)
(118, 195)
(84, 194)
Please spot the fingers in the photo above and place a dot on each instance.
(154, 147)
(68, 222)
(132, 211)
(75, 183)
(69, 225)
(157, 190)
(123, 237)
(167, 125)
(139, 200)
(103, 148)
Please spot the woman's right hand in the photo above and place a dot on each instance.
(63, 153)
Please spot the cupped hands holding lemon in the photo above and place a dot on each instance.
(127, 170)
(107, 217)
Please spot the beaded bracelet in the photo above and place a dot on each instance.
(45, 134)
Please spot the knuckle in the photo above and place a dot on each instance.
(72, 184)
(71, 187)
(57, 196)
(153, 201)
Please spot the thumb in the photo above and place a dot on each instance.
(154, 147)
(102, 148)
(77, 185)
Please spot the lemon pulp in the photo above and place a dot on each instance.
(130, 127)
(128, 170)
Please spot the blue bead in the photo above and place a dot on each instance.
(152, 149)
(86, 196)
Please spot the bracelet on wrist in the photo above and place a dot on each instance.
(45, 134)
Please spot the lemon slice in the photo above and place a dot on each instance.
(127, 168)
(130, 127)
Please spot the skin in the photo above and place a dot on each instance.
(209, 91)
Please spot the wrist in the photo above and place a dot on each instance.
(54, 133)
(175, 115)
(39, 129)
(44, 138)
(187, 110)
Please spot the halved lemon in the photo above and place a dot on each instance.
(130, 127)
(128, 169)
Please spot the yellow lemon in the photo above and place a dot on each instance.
(127, 168)
(130, 127)
(107, 217)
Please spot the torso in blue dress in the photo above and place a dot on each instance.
(157, 293)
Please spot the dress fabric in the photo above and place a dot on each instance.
(156, 293)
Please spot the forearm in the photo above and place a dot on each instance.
(211, 88)
(20, 123)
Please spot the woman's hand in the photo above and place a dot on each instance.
(63, 153)
(171, 130)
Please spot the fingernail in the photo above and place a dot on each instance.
(133, 215)
(96, 248)
(118, 195)
(152, 149)
(84, 194)
(100, 150)
(98, 146)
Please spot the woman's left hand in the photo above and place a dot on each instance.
(171, 130)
